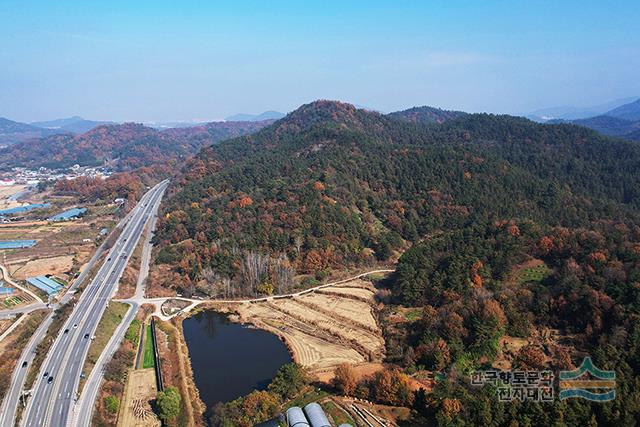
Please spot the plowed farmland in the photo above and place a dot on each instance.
(324, 328)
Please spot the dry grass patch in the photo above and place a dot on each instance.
(110, 320)
(140, 391)
(57, 265)
(325, 328)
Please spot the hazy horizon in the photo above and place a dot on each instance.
(157, 62)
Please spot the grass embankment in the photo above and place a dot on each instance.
(338, 415)
(149, 358)
(177, 372)
(312, 394)
(11, 347)
(110, 320)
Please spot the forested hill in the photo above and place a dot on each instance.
(124, 147)
(518, 245)
(331, 186)
(426, 115)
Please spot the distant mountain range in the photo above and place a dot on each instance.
(65, 142)
(12, 132)
(630, 111)
(73, 124)
(267, 115)
(131, 145)
(574, 113)
(121, 146)
(622, 121)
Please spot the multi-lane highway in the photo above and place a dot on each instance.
(12, 397)
(55, 390)
(83, 410)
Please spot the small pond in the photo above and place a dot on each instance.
(230, 360)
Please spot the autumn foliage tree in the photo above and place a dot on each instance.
(345, 380)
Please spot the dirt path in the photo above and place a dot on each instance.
(157, 302)
(5, 275)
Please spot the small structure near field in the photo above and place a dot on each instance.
(296, 418)
(69, 214)
(51, 287)
(312, 416)
(316, 415)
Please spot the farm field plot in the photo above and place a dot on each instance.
(139, 393)
(357, 288)
(13, 301)
(322, 330)
(56, 265)
(8, 193)
(349, 330)
(358, 311)
(5, 323)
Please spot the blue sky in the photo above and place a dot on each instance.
(188, 60)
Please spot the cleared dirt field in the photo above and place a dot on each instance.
(325, 328)
(140, 392)
(359, 311)
(57, 265)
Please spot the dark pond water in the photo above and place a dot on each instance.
(230, 360)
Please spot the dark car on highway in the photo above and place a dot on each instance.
(50, 380)
(24, 364)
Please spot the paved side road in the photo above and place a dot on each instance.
(55, 390)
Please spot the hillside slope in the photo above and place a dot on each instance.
(503, 230)
(630, 111)
(331, 186)
(608, 125)
(12, 132)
